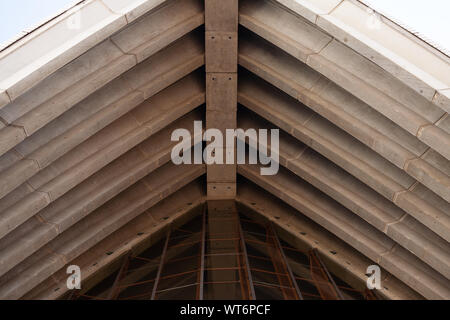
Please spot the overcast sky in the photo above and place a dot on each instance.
(430, 17)
(18, 15)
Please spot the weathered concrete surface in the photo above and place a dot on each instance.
(137, 235)
(101, 64)
(85, 128)
(357, 197)
(221, 55)
(38, 55)
(343, 149)
(101, 108)
(159, 28)
(104, 147)
(304, 234)
(351, 229)
(116, 213)
(53, 45)
(378, 132)
(387, 45)
(79, 202)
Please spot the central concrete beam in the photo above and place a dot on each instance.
(221, 42)
(221, 26)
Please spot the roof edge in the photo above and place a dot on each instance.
(38, 54)
(383, 42)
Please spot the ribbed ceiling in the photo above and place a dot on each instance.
(86, 173)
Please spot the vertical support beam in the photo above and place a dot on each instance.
(201, 275)
(221, 42)
(369, 295)
(114, 292)
(161, 265)
(221, 55)
(223, 247)
(324, 281)
(252, 295)
(285, 263)
(73, 295)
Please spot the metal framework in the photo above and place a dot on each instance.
(325, 282)
(248, 262)
(226, 252)
(201, 273)
(161, 265)
(114, 292)
(252, 295)
(282, 266)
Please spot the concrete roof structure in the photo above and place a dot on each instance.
(89, 100)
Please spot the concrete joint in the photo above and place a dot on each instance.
(425, 153)
(36, 162)
(435, 96)
(4, 121)
(31, 186)
(125, 53)
(396, 195)
(114, 12)
(298, 156)
(387, 252)
(47, 195)
(20, 155)
(9, 97)
(421, 129)
(407, 162)
(20, 127)
(441, 119)
(339, 4)
(43, 221)
(413, 186)
(385, 230)
(328, 13)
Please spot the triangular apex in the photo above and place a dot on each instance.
(352, 119)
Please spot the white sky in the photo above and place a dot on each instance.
(18, 15)
(429, 17)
